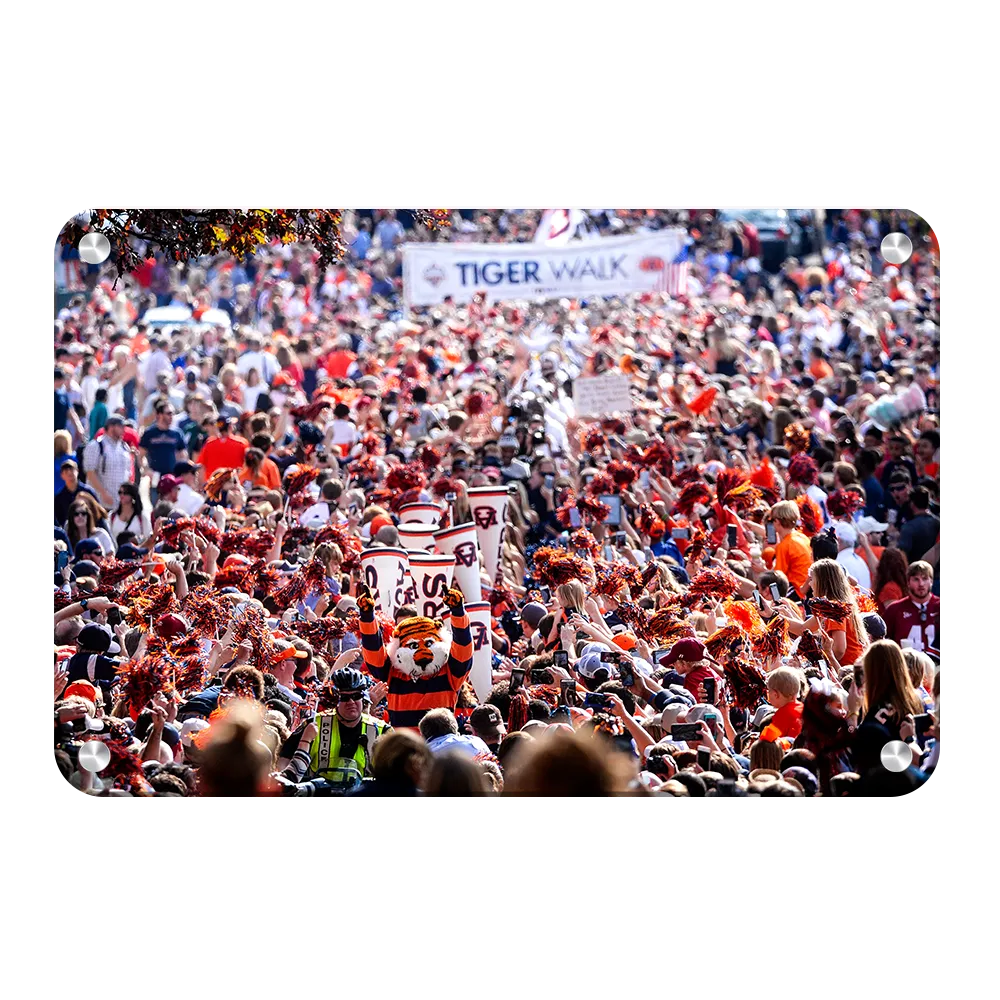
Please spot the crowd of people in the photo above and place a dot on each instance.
(732, 588)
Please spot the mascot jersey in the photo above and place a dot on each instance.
(425, 663)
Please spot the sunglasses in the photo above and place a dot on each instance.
(350, 696)
(79, 513)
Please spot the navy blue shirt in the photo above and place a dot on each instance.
(874, 498)
(162, 447)
(62, 409)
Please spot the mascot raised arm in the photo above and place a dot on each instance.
(425, 662)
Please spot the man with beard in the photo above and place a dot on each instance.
(916, 618)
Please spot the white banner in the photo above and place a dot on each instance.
(481, 674)
(425, 513)
(417, 535)
(599, 395)
(386, 572)
(616, 265)
(461, 542)
(489, 513)
(432, 575)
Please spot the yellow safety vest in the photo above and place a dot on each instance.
(324, 754)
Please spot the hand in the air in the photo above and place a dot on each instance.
(453, 598)
(365, 600)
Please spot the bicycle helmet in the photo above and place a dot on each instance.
(349, 679)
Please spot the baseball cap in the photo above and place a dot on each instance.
(845, 532)
(532, 613)
(487, 720)
(625, 640)
(589, 664)
(379, 521)
(85, 567)
(167, 484)
(97, 638)
(183, 468)
(83, 689)
(803, 777)
(690, 650)
(868, 524)
(114, 418)
(189, 727)
(170, 626)
(874, 626)
(283, 379)
(85, 546)
(670, 713)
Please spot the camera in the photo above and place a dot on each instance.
(598, 702)
(539, 675)
(567, 692)
(516, 680)
(685, 731)
(511, 625)
(560, 658)
(677, 533)
(626, 673)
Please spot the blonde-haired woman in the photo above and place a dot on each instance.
(828, 580)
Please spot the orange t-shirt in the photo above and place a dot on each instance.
(222, 453)
(338, 363)
(793, 557)
(854, 648)
(889, 593)
(267, 476)
(819, 369)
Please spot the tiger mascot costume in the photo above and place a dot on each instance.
(426, 660)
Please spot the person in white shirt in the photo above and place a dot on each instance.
(818, 496)
(321, 512)
(108, 462)
(156, 361)
(129, 515)
(188, 498)
(252, 390)
(253, 357)
(342, 432)
(847, 538)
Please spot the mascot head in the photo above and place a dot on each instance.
(420, 646)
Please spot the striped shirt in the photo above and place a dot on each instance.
(410, 700)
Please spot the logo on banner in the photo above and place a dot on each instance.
(465, 553)
(652, 264)
(485, 517)
(434, 276)
(479, 635)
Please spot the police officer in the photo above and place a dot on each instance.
(341, 751)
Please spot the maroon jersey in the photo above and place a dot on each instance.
(906, 619)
